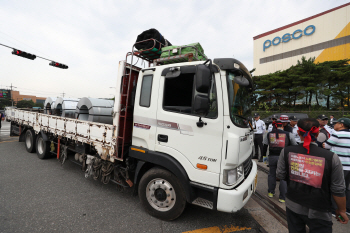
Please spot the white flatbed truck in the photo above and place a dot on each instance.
(181, 134)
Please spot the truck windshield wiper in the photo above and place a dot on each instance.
(248, 122)
(240, 116)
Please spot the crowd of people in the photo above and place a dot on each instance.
(311, 158)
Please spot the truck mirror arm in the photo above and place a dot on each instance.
(201, 123)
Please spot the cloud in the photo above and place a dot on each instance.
(91, 37)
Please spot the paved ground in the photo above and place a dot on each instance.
(43, 196)
(5, 131)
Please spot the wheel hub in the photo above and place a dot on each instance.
(28, 141)
(40, 146)
(160, 194)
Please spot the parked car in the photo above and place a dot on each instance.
(268, 121)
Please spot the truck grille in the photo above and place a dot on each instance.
(247, 166)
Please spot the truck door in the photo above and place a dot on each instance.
(177, 132)
(145, 110)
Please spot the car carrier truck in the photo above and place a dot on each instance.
(181, 134)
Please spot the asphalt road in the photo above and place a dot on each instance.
(43, 196)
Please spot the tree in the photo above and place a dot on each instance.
(306, 80)
(25, 104)
(40, 105)
(337, 81)
(5, 103)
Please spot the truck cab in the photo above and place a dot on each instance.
(192, 119)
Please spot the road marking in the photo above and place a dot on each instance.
(221, 229)
(7, 141)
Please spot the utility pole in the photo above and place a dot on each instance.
(11, 86)
(11, 92)
(63, 94)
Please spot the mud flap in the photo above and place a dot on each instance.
(14, 130)
(17, 131)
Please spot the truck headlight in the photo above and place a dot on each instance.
(233, 176)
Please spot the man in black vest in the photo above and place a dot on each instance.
(324, 133)
(313, 175)
(276, 140)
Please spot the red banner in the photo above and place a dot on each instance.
(306, 169)
(280, 142)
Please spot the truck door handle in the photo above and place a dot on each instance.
(162, 138)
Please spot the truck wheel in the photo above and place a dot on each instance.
(30, 141)
(42, 147)
(162, 194)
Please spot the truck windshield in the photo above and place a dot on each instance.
(239, 98)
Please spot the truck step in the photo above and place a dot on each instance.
(204, 203)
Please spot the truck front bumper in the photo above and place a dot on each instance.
(233, 200)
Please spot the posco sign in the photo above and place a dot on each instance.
(309, 30)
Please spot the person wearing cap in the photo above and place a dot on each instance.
(273, 119)
(259, 127)
(293, 124)
(276, 140)
(285, 121)
(324, 133)
(313, 176)
(339, 143)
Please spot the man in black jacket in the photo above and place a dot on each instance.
(313, 175)
(324, 133)
(276, 140)
(285, 121)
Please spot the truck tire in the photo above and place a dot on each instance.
(30, 140)
(42, 147)
(162, 194)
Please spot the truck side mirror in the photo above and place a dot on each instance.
(241, 80)
(174, 72)
(203, 76)
(201, 104)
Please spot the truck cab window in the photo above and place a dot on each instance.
(239, 99)
(146, 90)
(213, 110)
(179, 93)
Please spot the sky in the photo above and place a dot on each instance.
(91, 37)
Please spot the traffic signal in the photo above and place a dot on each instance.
(23, 54)
(58, 65)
